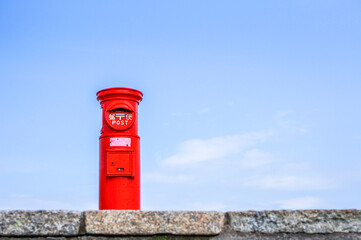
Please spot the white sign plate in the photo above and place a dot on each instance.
(120, 142)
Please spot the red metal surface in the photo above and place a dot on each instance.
(119, 153)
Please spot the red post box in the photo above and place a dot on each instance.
(119, 156)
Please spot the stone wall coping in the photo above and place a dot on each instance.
(40, 223)
(297, 221)
(188, 223)
(153, 222)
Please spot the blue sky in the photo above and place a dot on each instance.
(247, 104)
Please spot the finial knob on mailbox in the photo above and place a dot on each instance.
(119, 152)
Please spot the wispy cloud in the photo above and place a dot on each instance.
(30, 202)
(300, 203)
(204, 206)
(358, 137)
(282, 114)
(179, 114)
(167, 178)
(291, 181)
(202, 150)
(203, 111)
(240, 163)
(256, 158)
(285, 121)
(241, 160)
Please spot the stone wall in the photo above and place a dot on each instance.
(167, 225)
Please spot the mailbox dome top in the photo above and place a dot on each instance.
(119, 93)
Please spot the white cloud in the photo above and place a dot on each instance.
(205, 206)
(241, 160)
(198, 150)
(203, 110)
(237, 164)
(285, 122)
(167, 178)
(282, 114)
(179, 114)
(292, 166)
(288, 182)
(256, 158)
(301, 203)
(23, 201)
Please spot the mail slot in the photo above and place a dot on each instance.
(119, 150)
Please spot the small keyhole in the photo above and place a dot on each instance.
(120, 169)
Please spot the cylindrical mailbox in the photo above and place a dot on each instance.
(119, 155)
